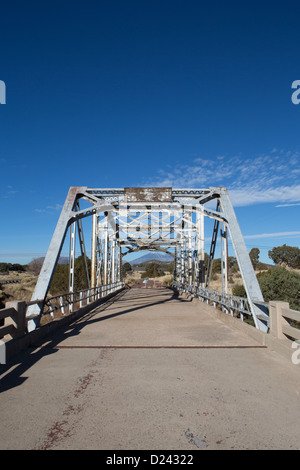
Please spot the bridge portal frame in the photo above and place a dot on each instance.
(125, 220)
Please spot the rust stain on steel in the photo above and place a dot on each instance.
(148, 194)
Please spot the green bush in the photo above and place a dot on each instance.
(152, 270)
(277, 284)
(60, 282)
(126, 268)
(5, 267)
(280, 284)
(239, 291)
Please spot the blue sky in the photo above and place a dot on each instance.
(116, 93)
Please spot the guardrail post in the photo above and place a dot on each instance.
(276, 318)
(19, 317)
(62, 308)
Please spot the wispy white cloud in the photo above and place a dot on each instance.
(288, 205)
(260, 194)
(273, 235)
(55, 208)
(273, 177)
(8, 192)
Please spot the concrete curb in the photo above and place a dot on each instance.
(281, 347)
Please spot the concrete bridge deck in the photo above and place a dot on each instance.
(150, 371)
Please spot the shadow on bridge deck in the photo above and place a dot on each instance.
(149, 370)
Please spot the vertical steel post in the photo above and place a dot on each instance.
(72, 262)
(200, 246)
(175, 264)
(119, 263)
(189, 216)
(94, 250)
(224, 259)
(106, 240)
(83, 250)
(113, 261)
(212, 248)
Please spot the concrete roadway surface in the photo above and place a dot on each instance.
(150, 371)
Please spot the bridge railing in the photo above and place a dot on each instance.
(64, 304)
(15, 312)
(282, 319)
(68, 302)
(230, 304)
(9, 281)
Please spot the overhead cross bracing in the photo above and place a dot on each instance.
(126, 220)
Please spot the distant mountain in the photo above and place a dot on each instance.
(162, 257)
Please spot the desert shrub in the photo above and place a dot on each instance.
(280, 284)
(277, 284)
(152, 270)
(60, 282)
(126, 268)
(239, 291)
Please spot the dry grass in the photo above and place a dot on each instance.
(132, 278)
(215, 284)
(19, 291)
(135, 276)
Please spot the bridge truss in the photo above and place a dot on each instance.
(127, 220)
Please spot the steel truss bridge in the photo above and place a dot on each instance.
(126, 220)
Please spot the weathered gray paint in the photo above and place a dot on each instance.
(183, 234)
